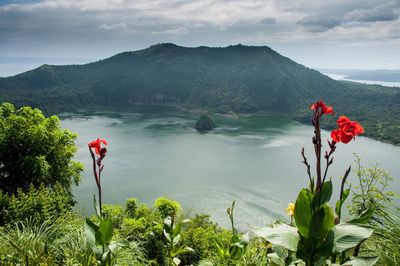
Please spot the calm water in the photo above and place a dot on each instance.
(253, 160)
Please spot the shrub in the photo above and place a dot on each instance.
(40, 204)
(131, 205)
(167, 207)
(35, 150)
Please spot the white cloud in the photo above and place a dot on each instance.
(109, 26)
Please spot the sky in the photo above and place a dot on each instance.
(341, 34)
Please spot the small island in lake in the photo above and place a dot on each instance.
(204, 124)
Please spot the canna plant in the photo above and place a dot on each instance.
(315, 235)
(172, 233)
(99, 235)
(238, 242)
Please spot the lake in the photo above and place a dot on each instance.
(255, 160)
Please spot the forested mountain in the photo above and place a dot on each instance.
(234, 78)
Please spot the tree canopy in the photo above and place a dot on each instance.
(35, 151)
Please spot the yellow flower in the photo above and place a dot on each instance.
(290, 209)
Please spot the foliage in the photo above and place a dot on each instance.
(115, 212)
(370, 192)
(204, 124)
(41, 204)
(386, 240)
(237, 246)
(201, 234)
(172, 233)
(34, 150)
(99, 236)
(244, 79)
(51, 242)
(167, 207)
(318, 235)
(131, 205)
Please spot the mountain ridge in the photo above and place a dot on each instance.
(236, 78)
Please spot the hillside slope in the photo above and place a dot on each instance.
(234, 78)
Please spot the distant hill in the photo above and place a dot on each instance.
(238, 78)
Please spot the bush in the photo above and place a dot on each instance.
(35, 150)
(131, 205)
(39, 204)
(115, 212)
(167, 207)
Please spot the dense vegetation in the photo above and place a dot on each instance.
(204, 124)
(38, 226)
(35, 160)
(239, 78)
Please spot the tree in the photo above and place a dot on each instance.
(35, 151)
(204, 124)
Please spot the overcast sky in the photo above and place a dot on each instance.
(352, 34)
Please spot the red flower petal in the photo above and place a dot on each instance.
(342, 121)
(335, 134)
(96, 144)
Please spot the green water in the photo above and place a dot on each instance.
(254, 160)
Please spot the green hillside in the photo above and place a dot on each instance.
(239, 78)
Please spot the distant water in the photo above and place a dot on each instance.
(253, 160)
(377, 82)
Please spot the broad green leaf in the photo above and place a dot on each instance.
(105, 232)
(167, 235)
(364, 218)
(168, 224)
(275, 260)
(361, 261)
(326, 193)
(96, 207)
(326, 249)
(340, 202)
(329, 219)
(281, 235)
(206, 263)
(302, 212)
(347, 236)
(176, 261)
(90, 232)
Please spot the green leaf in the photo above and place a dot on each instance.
(326, 249)
(90, 232)
(281, 235)
(105, 232)
(96, 207)
(347, 236)
(167, 235)
(176, 261)
(326, 192)
(361, 261)
(329, 219)
(302, 212)
(275, 260)
(364, 218)
(340, 202)
(322, 221)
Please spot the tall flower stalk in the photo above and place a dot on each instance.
(99, 235)
(97, 157)
(317, 234)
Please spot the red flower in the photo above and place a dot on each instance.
(96, 144)
(325, 109)
(347, 130)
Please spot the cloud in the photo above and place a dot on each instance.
(376, 14)
(350, 15)
(99, 28)
(117, 26)
(319, 23)
(268, 20)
